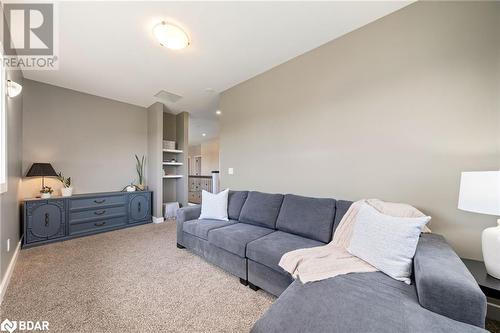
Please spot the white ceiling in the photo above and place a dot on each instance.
(107, 48)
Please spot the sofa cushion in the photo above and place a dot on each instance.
(234, 238)
(261, 209)
(444, 285)
(269, 249)
(308, 217)
(200, 228)
(235, 202)
(361, 302)
(341, 207)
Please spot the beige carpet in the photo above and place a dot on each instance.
(131, 280)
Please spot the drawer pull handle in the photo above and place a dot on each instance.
(139, 206)
(99, 224)
(47, 219)
(100, 201)
(100, 213)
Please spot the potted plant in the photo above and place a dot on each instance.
(140, 172)
(66, 190)
(46, 192)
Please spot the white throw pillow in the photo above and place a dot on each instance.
(386, 242)
(214, 206)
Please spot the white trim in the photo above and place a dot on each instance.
(158, 219)
(8, 273)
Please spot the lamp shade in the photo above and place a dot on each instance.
(41, 170)
(480, 192)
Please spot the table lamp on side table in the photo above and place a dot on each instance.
(480, 193)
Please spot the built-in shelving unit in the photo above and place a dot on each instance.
(173, 163)
(173, 151)
(167, 167)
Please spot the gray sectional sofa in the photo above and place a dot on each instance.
(443, 296)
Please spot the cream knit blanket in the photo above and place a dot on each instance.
(332, 259)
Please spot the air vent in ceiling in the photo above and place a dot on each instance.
(166, 97)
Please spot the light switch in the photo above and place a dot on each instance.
(230, 171)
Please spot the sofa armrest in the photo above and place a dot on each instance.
(444, 285)
(186, 214)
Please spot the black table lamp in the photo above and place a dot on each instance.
(41, 170)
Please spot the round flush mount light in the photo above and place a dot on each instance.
(171, 36)
(218, 112)
(204, 134)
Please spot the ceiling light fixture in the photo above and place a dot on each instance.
(218, 112)
(171, 36)
(13, 88)
(204, 134)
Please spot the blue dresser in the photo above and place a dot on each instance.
(57, 219)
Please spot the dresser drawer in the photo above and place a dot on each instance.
(97, 202)
(81, 228)
(97, 214)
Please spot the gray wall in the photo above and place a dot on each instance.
(9, 201)
(394, 110)
(209, 157)
(90, 138)
(181, 136)
(154, 167)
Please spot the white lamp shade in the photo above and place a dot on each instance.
(480, 192)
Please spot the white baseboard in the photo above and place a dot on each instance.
(158, 219)
(8, 273)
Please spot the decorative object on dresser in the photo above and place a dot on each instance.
(58, 219)
(42, 170)
(480, 193)
(140, 172)
(130, 188)
(46, 192)
(66, 190)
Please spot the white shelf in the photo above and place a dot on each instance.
(174, 151)
(172, 163)
(172, 176)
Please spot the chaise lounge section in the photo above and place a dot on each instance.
(443, 296)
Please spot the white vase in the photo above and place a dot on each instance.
(67, 191)
(45, 195)
(491, 250)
